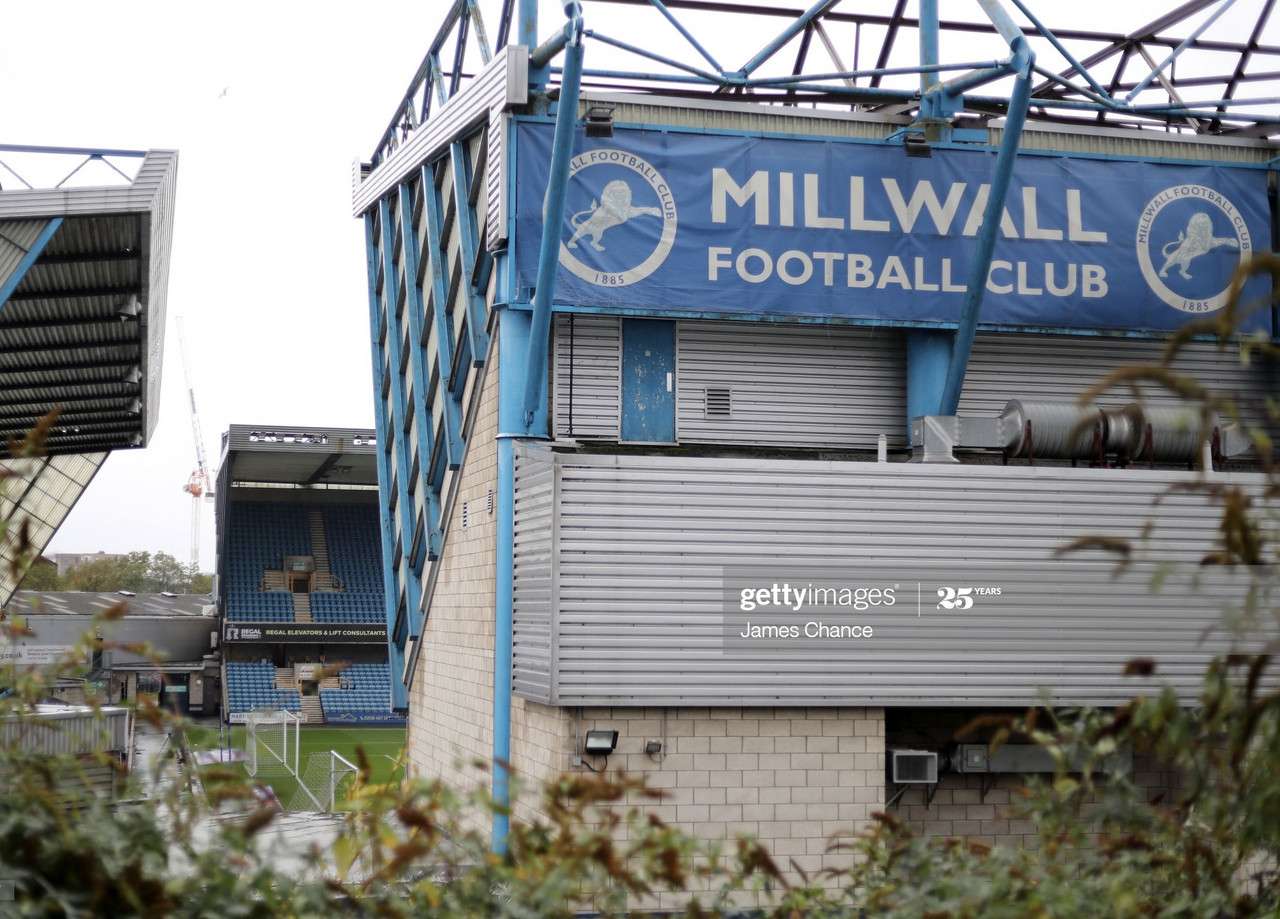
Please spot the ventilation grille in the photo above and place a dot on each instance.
(719, 403)
(914, 766)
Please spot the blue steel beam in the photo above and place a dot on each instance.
(688, 36)
(399, 414)
(395, 650)
(1023, 60)
(420, 369)
(469, 251)
(1057, 45)
(28, 259)
(787, 34)
(450, 407)
(535, 386)
(1173, 55)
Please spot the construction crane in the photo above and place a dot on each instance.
(199, 483)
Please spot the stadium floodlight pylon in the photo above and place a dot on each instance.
(269, 748)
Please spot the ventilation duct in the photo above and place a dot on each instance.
(1045, 430)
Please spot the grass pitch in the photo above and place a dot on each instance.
(382, 747)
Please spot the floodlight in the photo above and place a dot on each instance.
(600, 743)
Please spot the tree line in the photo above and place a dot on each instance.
(139, 572)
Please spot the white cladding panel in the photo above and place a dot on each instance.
(1009, 365)
(587, 376)
(641, 544)
(757, 384)
(805, 385)
(532, 633)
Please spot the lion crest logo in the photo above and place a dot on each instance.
(1177, 234)
(613, 209)
(629, 188)
(1198, 240)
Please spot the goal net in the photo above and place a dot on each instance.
(318, 786)
(271, 743)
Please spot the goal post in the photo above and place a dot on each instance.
(271, 742)
(318, 786)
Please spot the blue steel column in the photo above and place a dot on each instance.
(513, 348)
(535, 390)
(1023, 62)
(395, 652)
(928, 351)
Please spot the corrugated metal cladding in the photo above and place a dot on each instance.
(1005, 366)
(839, 388)
(46, 490)
(587, 383)
(734, 117)
(759, 384)
(72, 731)
(16, 239)
(84, 327)
(641, 544)
(729, 117)
(532, 635)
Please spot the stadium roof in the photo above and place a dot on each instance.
(92, 603)
(298, 456)
(85, 237)
(1208, 67)
(83, 276)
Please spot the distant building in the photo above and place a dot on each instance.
(69, 561)
(180, 668)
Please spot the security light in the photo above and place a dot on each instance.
(600, 121)
(600, 743)
(916, 145)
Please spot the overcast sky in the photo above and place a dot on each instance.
(269, 104)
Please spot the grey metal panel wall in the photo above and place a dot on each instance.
(643, 542)
(790, 385)
(533, 655)
(587, 377)
(1006, 366)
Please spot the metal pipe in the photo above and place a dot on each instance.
(513, 336)
(928, 43)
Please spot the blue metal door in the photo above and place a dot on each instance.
(648, 380)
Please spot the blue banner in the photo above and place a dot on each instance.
(836, 229)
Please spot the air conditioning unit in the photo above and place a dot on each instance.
(913, 767)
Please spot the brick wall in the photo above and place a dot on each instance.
(451, 699)
(790, 777)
